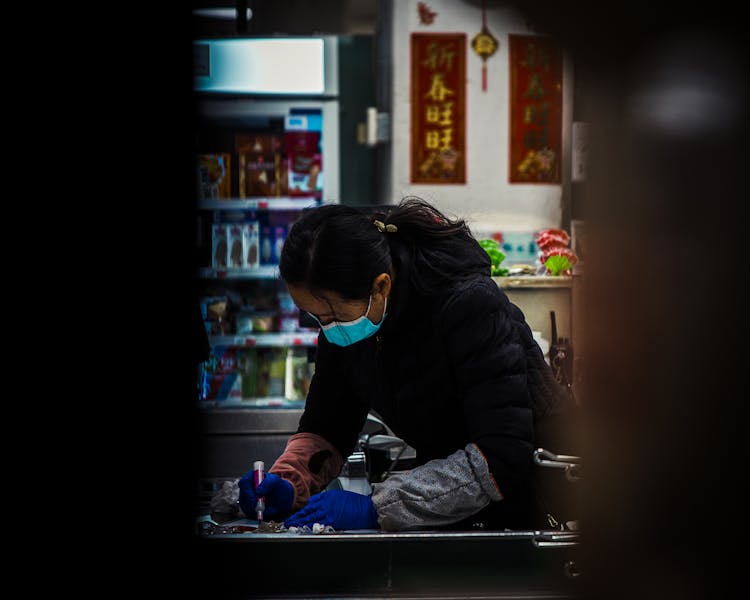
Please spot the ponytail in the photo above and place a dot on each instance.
(439, 250)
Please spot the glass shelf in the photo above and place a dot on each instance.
(262, 272)
(275, 203)
(267, 340)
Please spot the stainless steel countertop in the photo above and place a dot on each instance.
(539, 538)
(529, 564)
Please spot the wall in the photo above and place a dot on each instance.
(487, 200)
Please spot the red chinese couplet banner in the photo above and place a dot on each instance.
(438, 108)
(535, 109)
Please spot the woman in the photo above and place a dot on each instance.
(413, 327)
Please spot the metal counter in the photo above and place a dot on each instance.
(376, 564)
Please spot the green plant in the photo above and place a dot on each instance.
(556, 264)
(492, 248)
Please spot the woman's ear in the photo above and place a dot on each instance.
(382, 285)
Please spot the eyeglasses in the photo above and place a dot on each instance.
(328, 322)
(334, 320)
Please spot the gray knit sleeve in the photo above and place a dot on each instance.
(440, 492)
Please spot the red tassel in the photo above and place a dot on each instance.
(484, 76)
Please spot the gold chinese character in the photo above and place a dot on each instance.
(439, 56)
(446, 114)
(432, 139)
(537, 113)
(536, 90)
(427, 164)
(431, 113)
(536, 58)
(438, 90)
(446, 139)
(528, 113)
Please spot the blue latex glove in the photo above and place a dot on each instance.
(340, 509)
(278, 494)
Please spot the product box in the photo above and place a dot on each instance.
(230, 388)
(244, 322)
(277, 371)
(299, 372)
(262, 372)
(279, 236)
(267, 246)
(258, 175)
(263, 322)
(223, 383)
(251, 237)
(215, 312)
(288, 318)
(259, 157)
(247, 365)
(304, 162)
(236, 242)
(220, 247)
(214, 176)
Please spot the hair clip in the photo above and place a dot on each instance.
(383, 228)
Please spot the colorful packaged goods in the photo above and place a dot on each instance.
(223, 383)
(220, 247)
(299, 372)
(304, 162)
(266, 246)
(214, 176)
(260, 158)
(215, 312)
(235, 239)
(251, 247)
(247, 365)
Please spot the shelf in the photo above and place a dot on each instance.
(534, 281)
(280, 203)
(262, 272)
(230, 408)
(265, 340)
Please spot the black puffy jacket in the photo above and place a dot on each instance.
(443, 371)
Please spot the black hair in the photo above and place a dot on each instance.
(339, 248)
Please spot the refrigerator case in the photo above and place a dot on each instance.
(266, 153)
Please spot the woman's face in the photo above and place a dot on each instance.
(328, 306)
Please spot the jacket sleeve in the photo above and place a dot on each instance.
(440, 492)
(328, 429)
(488, 357)
(309, 463)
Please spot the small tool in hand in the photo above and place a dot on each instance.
(259, 473)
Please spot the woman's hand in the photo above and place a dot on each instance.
(340, 509)
(278, 494)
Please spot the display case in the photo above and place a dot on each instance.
(263, 155)
(260, 354)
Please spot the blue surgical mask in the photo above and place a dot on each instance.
(351, 332)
